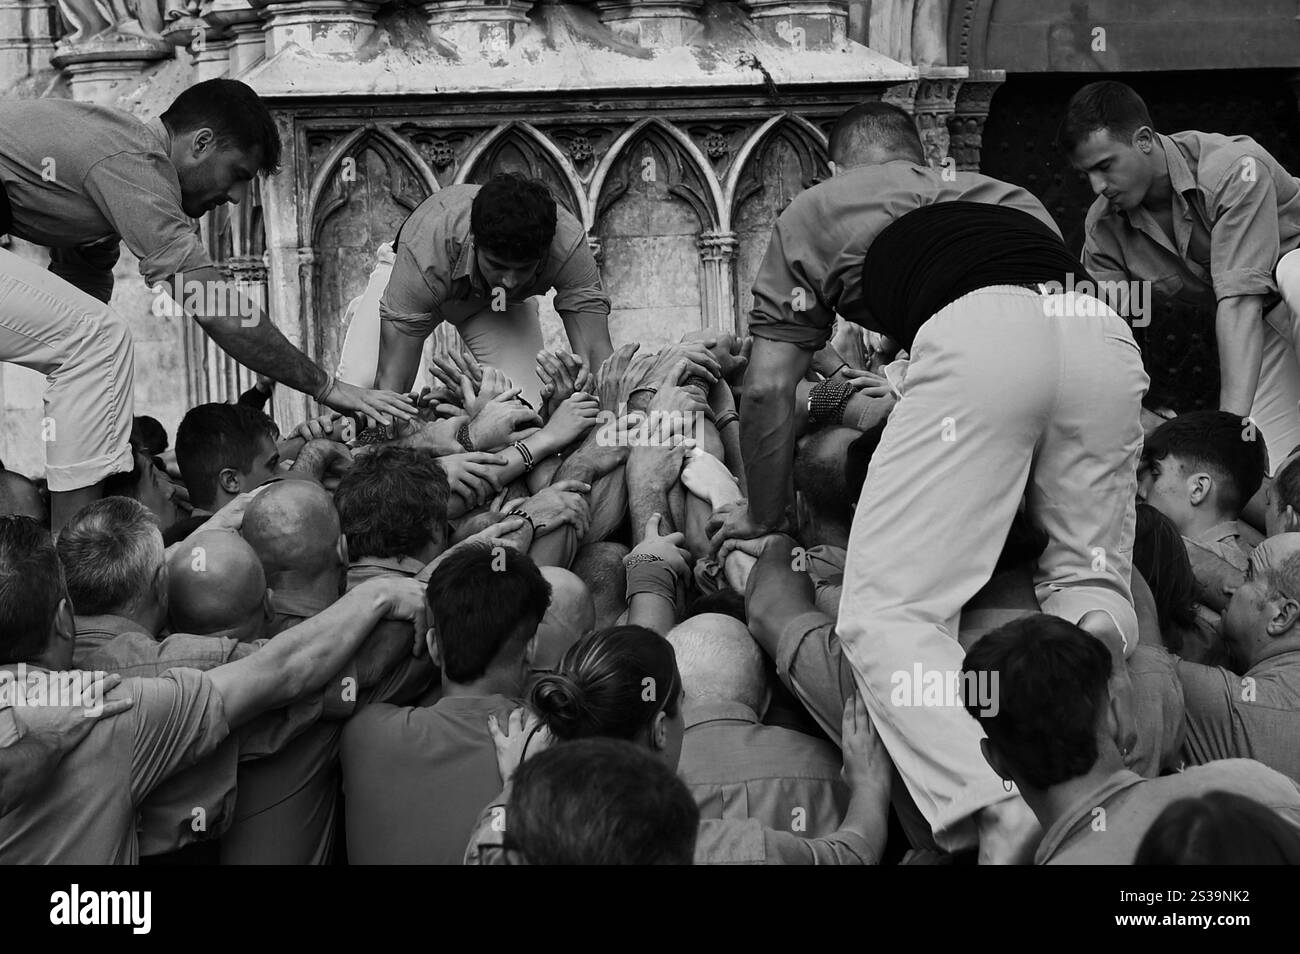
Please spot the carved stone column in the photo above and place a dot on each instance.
(25, 41)
(718, 253)
(478, 28)
(966, 124)
(322, 26)
(232, 39)
(653, 23)
(936, 98)
(803, 24)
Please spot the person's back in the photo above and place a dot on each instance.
(416, 778)
(736, 767)
(1129, 804)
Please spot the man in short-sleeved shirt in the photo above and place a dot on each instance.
(87, 813)
(80, 179)
(1204, 218)
(444, 271)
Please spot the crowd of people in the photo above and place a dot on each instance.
(916, 572)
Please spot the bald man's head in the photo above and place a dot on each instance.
(216, 586)
(571, 615)
(719, 661)
(294, 529)
(873, 133)
(20, 496)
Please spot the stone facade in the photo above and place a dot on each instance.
(675, 130)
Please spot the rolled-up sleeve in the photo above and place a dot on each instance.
(810, 661)
(409, 302)
(1244, 239)
(179, 718)
(787, 302)
(140, 197)
(578, 290)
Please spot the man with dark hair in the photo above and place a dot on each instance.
(19, 495)
(80, 179)
(416, 778)
(1207, 219)
(88, 814)
(600, 802)
(1282, 499)
(222, 450)
(1199, 469)
(477, 256)
(1039, 689)
(392, 505)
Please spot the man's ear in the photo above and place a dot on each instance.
(267, 612)
(659, 731)
(431, 640)
(202, 140)
(1199, 488)
(830, 164)
(530, 650)
(1290, 521)
(228, 479)
(994, 758)
(341, 547)
(1144, 138)
(64, 626)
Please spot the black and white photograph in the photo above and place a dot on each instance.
(649, 432)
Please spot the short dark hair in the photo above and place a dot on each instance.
(1219, 828)
(514, 217)
(874, 124)
(1114, 107)
(857, 461)
(822, 476)
(1051, 691)
(149, 435)
(724, 601)
(484, 599)
(1286, 485)
(31, 585)
(234, 113)
(1160, 555)
(600, 802)
(612, 682)
(212, 437)
(392, 501)
(1232, 450)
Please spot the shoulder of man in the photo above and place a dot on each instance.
(1215, 156)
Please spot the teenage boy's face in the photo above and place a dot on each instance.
(1163, 484)
(1117, 169)
(500, 271)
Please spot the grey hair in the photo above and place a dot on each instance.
(718, 659)
(110, 551)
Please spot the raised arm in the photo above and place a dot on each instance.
(301, 659)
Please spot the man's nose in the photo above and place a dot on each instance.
(1097, 182)
(236, 193)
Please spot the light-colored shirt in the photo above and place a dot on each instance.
(87, 813)
(79, 175)
(813, 265)
(436, 278)
(1224, 541)
(740, 769)
(1106, 826)
(1255, 716)
(1236, 211)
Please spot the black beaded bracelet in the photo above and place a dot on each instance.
(463, 438)
(827, 401)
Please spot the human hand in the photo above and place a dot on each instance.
(331, 426)
(564, 502)
(865, 760)
(502, 421)
(450, 365)
(64, 727)
(735, 523)
(708, 478)
(322, 458)
(523, 735)
(474, 476)
(376, 406)
(666, 547)
(573, 418)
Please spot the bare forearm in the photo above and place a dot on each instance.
(777, 593)
(656, 613)
(261, 347)
(867, 815)
(300, 659)
(1239, 329)
(399, 358)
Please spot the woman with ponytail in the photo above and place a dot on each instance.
(622, 683)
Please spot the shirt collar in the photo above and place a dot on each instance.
(106, 626)
(466, 262)
(406, 565)
(1220, 533)
(1081, 810)
(1286, 660)
(159, 129)
(1180, 173)
(291, 603)
(699, 713)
